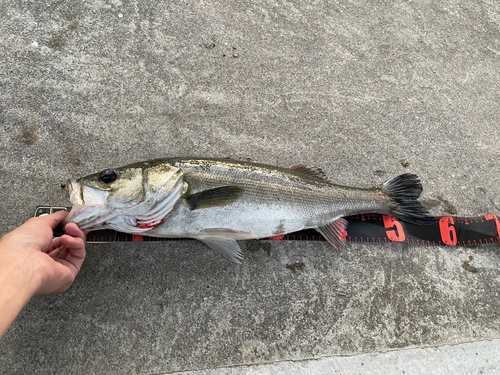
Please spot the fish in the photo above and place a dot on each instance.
(219, 201)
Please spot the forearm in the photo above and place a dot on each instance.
(16, 289)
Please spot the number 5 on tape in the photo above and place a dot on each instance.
(396, 232)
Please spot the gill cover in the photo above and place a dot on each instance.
(134, 198)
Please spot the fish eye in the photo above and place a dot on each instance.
(107, 176)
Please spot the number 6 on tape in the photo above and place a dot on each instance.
(447, 230)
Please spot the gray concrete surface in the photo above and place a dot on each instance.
(471, 358)
(352, 87)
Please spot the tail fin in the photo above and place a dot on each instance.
(403, 191)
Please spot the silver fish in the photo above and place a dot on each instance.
(219, 201)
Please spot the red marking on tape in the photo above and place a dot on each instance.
(280, 237)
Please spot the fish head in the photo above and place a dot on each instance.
(133, 198)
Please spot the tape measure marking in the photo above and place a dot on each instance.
(365, 228)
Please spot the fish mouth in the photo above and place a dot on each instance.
(94, 209)
(75, 190)
(90, 210)
(86, 216)
(69, 184)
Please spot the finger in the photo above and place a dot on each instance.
(63, 253)
(74, 264)
(38, 231)
(56, 252)
(76, 247)
(72, 242)
(53, 219)
(73, 230)
(56, 242)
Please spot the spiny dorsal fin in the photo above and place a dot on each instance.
(310, 171)
(213, 197)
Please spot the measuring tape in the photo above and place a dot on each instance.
(365, 228)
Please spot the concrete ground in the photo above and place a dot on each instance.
(472, 358)
(351, 87)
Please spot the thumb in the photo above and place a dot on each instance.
(54, 219)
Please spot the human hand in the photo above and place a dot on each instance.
(49, 265)
(32, 262)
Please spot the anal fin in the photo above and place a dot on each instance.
(335, 232)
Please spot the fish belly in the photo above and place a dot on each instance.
(256, 221)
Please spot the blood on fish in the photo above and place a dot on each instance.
(148, 225)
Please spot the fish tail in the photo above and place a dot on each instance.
(402, 193)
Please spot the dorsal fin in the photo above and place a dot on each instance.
(310, 171)
(237, 158)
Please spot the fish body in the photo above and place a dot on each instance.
(219, 201)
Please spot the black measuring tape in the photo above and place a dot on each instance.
(365, 228)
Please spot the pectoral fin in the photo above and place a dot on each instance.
(213, 197)
(335, 232)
